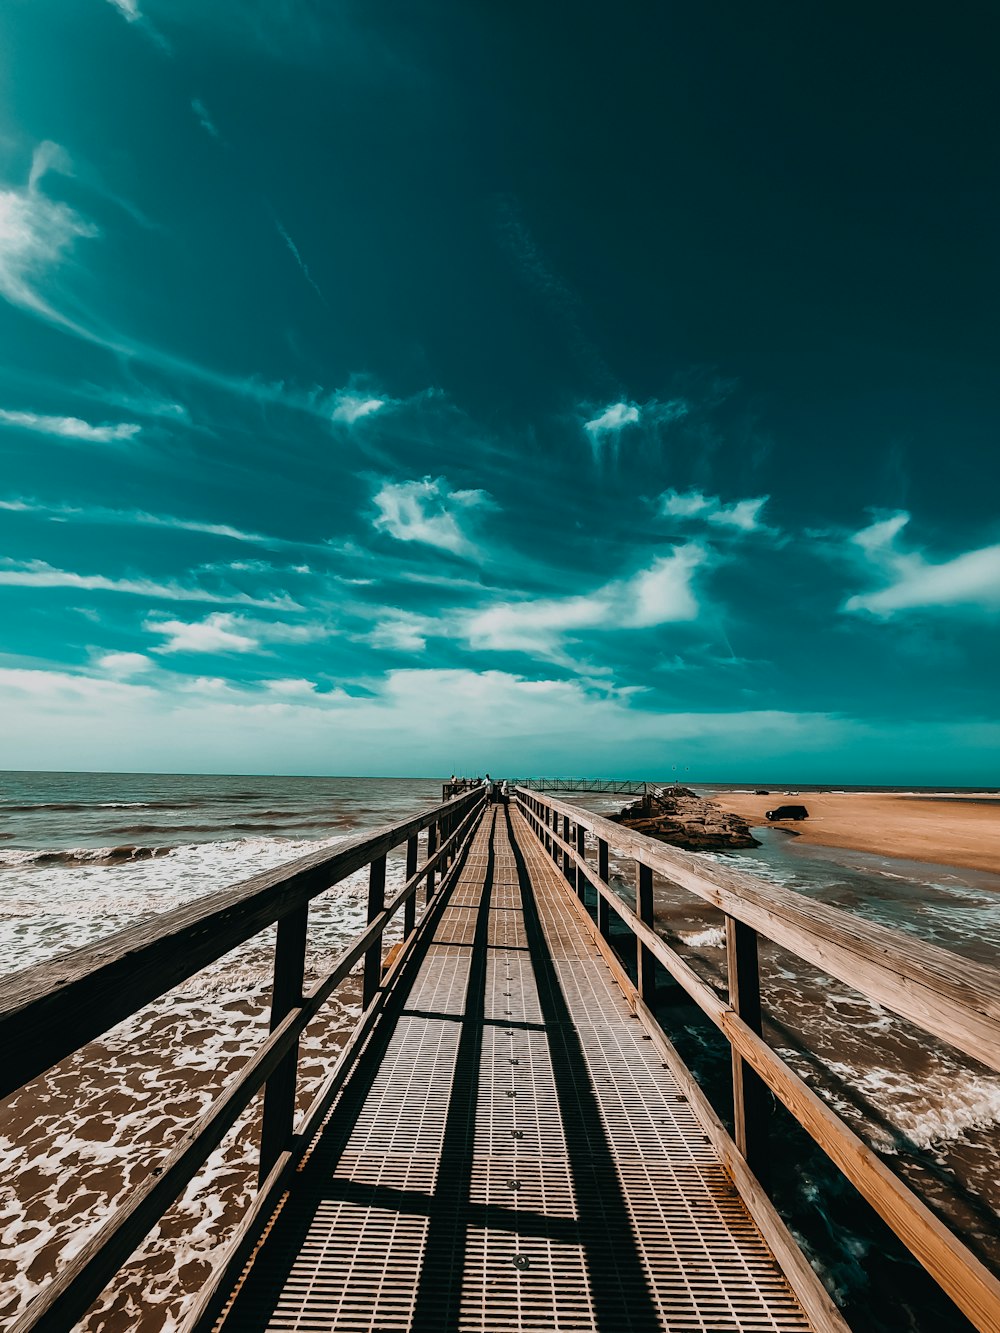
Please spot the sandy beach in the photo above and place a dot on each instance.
(947, 831)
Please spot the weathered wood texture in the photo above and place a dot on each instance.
(75, 1287)
(49, 1011)
(950, 997)
(886, 961)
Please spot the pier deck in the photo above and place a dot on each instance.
(512, 1153)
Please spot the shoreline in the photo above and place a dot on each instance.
(940, 830)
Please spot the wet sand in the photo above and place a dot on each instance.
(945, 831)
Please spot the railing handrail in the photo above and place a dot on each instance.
(202, 932)
(52, 1009)
(949, 996)
(841, 941)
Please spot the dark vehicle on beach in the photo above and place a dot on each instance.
(761, 791)
(788, 812)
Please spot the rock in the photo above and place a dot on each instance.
(677, 816)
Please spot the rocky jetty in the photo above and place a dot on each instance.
(676, 815)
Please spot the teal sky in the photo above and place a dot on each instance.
(399, 388)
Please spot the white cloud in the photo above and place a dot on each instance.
(70, 428)
(291, 688)
(744, 515)
(224, 632)
(614, 418)
(658, 595)
(35, 235)
(402, 633)
(912, 582)
(217, 633)
(130, 8)
(38, 574)
(140, 518)
(422, 721)
(426, 511)
(124, 664)
(351, 407)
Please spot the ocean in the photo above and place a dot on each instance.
(83, 855)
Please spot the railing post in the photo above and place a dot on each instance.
(644, 910)
(749, 1093)
(568, 869)
(373, 955)
(432, 842)
(278, 1118)
(581, 851)
(603, 910)
(410, 906)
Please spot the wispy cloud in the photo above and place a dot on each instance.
(217, 633)
(303, 266)
(71, 428)
(614, 418)
(122, 665)
(224, 632)
(347, 406)
(605, 427)
(913, 582)
(402, 633)
(38, 574)
(204, 119)
(128, 8)
(36, 234)
(660, 594)
(427, 511)
(742, 515)
(98, 514)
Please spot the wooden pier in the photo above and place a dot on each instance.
(507, 1140)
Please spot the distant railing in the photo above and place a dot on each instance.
(947, 996)
(50, 1011)
(613, 786)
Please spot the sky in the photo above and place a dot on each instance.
(409, 389)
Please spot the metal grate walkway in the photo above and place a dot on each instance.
(516, 1156)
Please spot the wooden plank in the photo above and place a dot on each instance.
(46, 1012)
(286, 994)
(213, 1296)
(603, 911)
(372, 976)
(951, 1263)
(951, 997)
(73, 1290)
(808, 1289)
(644, 955)
(410, 913)
(750, 1097)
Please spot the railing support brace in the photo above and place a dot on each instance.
(432, 843)
(581, 851)
(645, 962)
(410, 906)
(750, 1095)
(603, 909)
(373, 957)
(278, 1117)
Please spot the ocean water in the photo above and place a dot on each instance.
(84, 855)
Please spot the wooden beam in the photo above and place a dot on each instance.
(951, 997)
(750, 1096)
(49, 1011)
(278, 1115)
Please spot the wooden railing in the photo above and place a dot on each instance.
(948, 997)
(50, 1011)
